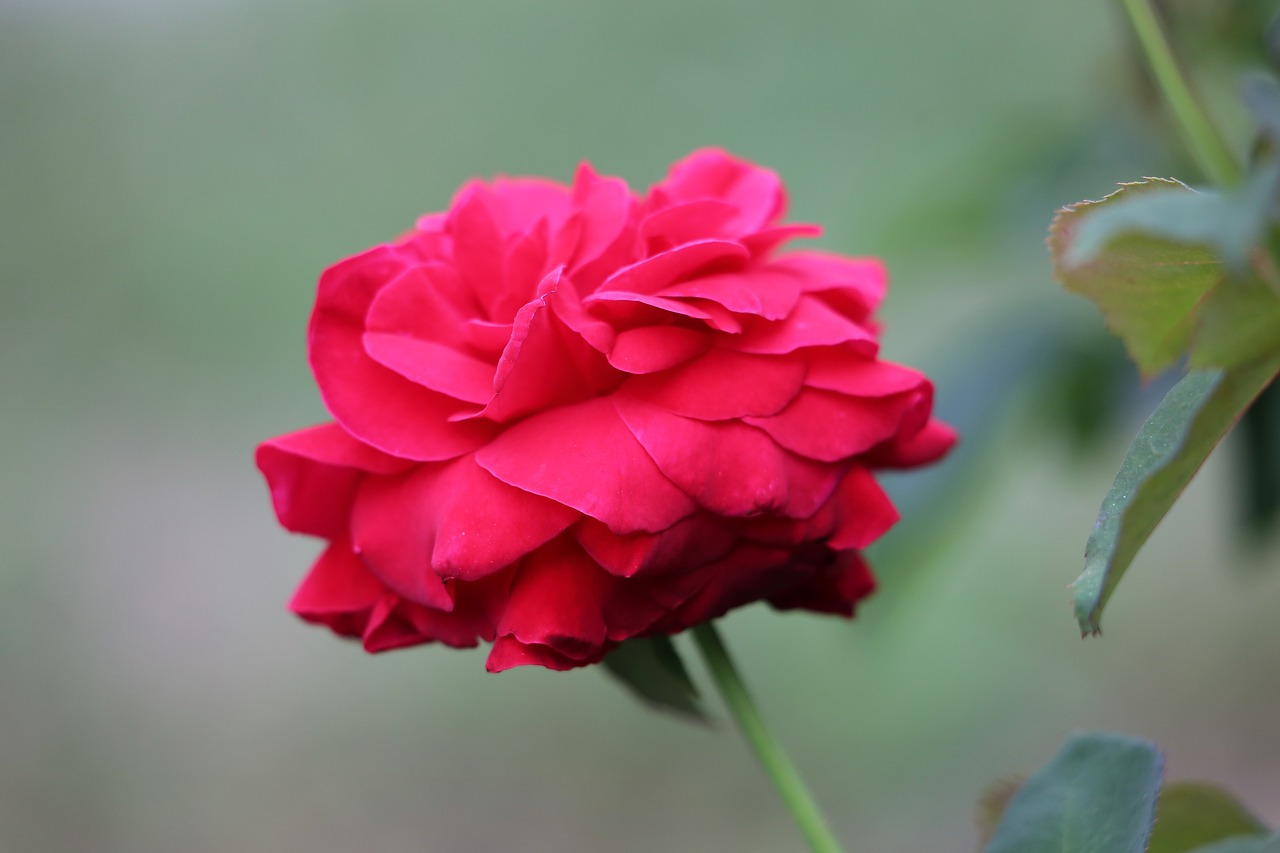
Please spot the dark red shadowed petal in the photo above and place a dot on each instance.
(313, 474)
(557, 600)
(692, 542)
(751, 572)
(585, 457)
(722, 384)
(650, 349)
(508, 652)
(395, 623)
(835, 588)
(728, 467)
(828, 427)
(373, 403)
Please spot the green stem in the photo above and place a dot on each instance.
(775, 761)
(1205, 143)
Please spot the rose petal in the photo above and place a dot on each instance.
(727, 467)
(689, 543)
(482, 524)
(764, 293)
(811, 324)
(545, 364)
(373, 403)
(910, 451)
(557, 600)
(313, 474)
(508, 652)
(826, 426)
(584, 456)
(722, 384)
(650, 349)
(848, 372)
(865, 511)
(862, 280)
(686, 222)
(426, 301)
(666, 268)
(833, 589)
(712, 173)
(449, 521)
(435, 366)
(762, 242)
(338, 591)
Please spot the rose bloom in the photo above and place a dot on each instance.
(569, 416)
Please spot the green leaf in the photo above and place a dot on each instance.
(1191, 814)
(1097, 794)
(1165, 455)
(652, 669)
(1260, 844)
(1238, 321)
(1146, 287)
(1171, 269)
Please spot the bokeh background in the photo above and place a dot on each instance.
(175, 173)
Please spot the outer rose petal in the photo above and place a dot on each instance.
(832, 589)
(508, 652)
(694, 541)
(912, 451)
(313, 475)
(452, 521)
(811, 324)
(722, 384)
(557, 600)
(585, 457)
(712, 173)
(864, 510)
(862, 281)
(650, 349)
(828, 427)
(728, 467)
(338, 591)
(373, 403)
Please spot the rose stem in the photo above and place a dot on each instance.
(776, 764)
(1203, 140)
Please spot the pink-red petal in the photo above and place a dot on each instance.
(722, 384)
(728, 467)
(585, 457)
(828, 427)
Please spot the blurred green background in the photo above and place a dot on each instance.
(175, 173)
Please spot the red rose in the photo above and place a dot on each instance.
(569, 416)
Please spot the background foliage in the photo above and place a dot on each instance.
(173, 176)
